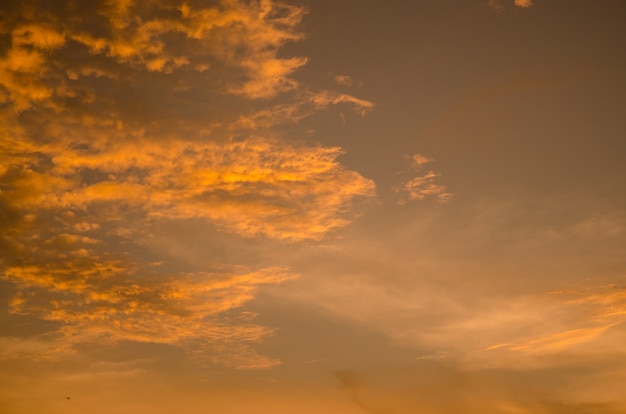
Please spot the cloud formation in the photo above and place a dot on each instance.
(252, 187)
(155, 36)
(120, 115)
(423, 184)
(104, 302)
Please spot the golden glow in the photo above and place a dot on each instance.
(268, 206)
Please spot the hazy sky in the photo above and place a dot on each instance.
(313, 206)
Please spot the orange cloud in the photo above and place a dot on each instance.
(498, 5)
(523, 3)
(238, 42)
(423, 185)
(325, 98)
(119, 115)
(345, 80)
(599, 312)
(255, 187)
(270, 77)
(105, 300)
(554, 342)
(71, 207)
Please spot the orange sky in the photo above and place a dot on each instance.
(314, 207)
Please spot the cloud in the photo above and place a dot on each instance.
(345, 80)
(484, 297)
(523, 3)
(419, 159)
(108, 302)
(93, 283)
(307, 103)
(119, 116)
(516, 332)
(237, 43)
(105, 145)
(498, 5)
(555, 342)
(270, 77)
(423, 185)
(325, 98)
(251, 187)
(601, 310)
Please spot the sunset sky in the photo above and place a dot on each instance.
(313, 206)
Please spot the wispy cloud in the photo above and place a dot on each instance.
(603, 309)
(499, 5)
(120, 115)
(423, 184)
(523, 3)
(346, 80)
(252, 187)
(106, 302)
